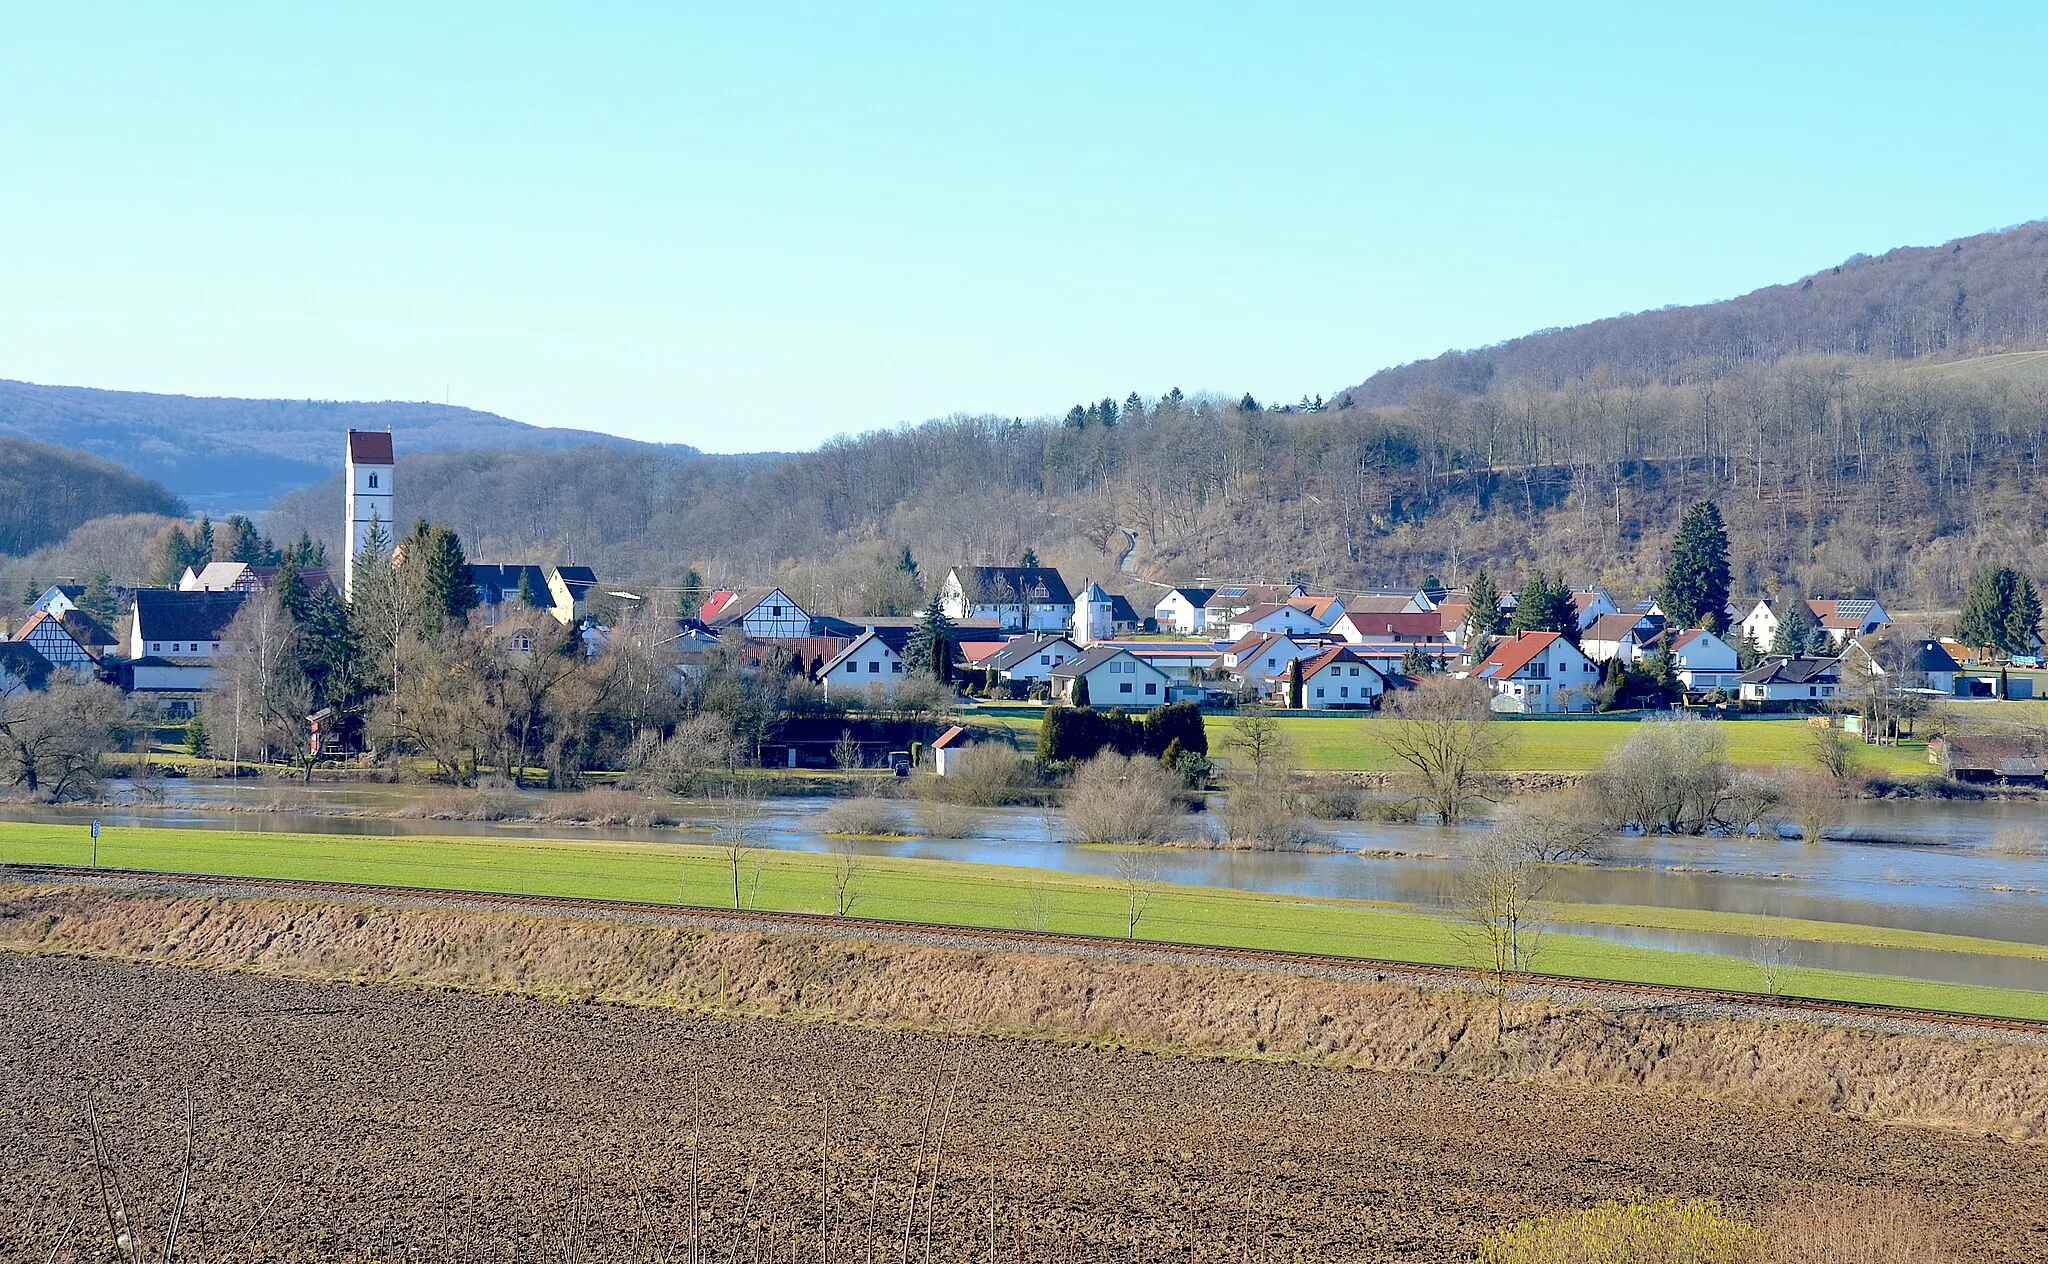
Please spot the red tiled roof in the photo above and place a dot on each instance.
(975, 651)
(1512, 656)
(1336, 654)
(369, 447)
(1378, 623)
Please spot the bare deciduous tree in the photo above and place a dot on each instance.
(1444, 731)
(1136, 873)
(52, 740)
(1499, 896)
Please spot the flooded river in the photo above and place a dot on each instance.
(1964, 868)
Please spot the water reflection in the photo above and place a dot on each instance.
(1953, 868)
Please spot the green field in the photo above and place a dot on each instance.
(995, 896)
(1351, 743)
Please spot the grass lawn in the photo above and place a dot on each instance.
(1352, 743)
(976, 895)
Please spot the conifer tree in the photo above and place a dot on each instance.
(2023, 617)
(1795, 627)
(930, 649)
(1482, 622)
(1695, 592)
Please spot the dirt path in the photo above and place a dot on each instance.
(393, 1124)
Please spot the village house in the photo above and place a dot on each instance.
(1620, 637)
(1183, 610)
(59, 599)
(1392, 601)
(1116, 678)
(181, 625)
(1290, 620)
(1029, 660)
(1420, 627)
(1339, 680)
(1227, 602)
(1928, 667)
(245, 577)
(559, 590)
(1261, 657)
(1326, 611)
(21, 667)
(1843, 619)
(868, 670)
(1538, 672)
(1592, 604)
(1018, 598)
(72, 641)
(1702, 661)
(1781, 678)
(759, 612)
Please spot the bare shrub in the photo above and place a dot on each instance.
(1259, 774)
(1815, 802)
(1333, 805)
(461, 805)
(1860, 1227)
(1672, 777)
(689, 760)
(861, 817)
(944, 820)
(1698, 1231)
(1828, 747)
(847, 866)
(1559, 826)
(604, 805)
(1121, 799)
(2014, 839)
(985, 775)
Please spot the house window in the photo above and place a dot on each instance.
(1813, 691)
(1151, 690)
(1344, 691)
(1045, 660)
(156, 647)
(775, 612)
(373, 480)
(1319, 691)
(896, 668)
(875, 667)
(1125, 687)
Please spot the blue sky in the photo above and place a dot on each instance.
(752, 226)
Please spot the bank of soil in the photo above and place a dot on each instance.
(355, 1123)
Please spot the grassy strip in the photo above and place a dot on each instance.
(1758, 924)
(1354, 743)
(946, 892)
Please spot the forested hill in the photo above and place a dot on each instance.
(242, 453)
(1975, 294)
(46, 491)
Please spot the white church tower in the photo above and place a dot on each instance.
(369, 467)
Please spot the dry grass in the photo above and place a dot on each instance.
(446, 804)
(945, 820)
(603, 805)
(1869, 1227)
(1995, 1088)
(2014, 839)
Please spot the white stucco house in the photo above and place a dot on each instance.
(1263, 656)
(868, 670)
(1592, 603)
(1844, 619)
(1183, 609)
(1017, 598)
(1782, 679)
(181, 625)
(1339, 680)
(1284, 619)
(1619, 637)
(1702, 661)
(1116, 678)
(1538, 672)
(1030, 659)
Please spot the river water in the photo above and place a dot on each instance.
(1965, 868)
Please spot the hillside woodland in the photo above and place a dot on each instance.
(1974, 295)
(1876, 428)
(241, 453)
(1835, 474)
(46, 492)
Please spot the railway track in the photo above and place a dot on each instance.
(753, 919)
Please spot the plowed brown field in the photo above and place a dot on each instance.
(352, 1123)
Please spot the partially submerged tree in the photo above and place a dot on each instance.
(53, 740)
